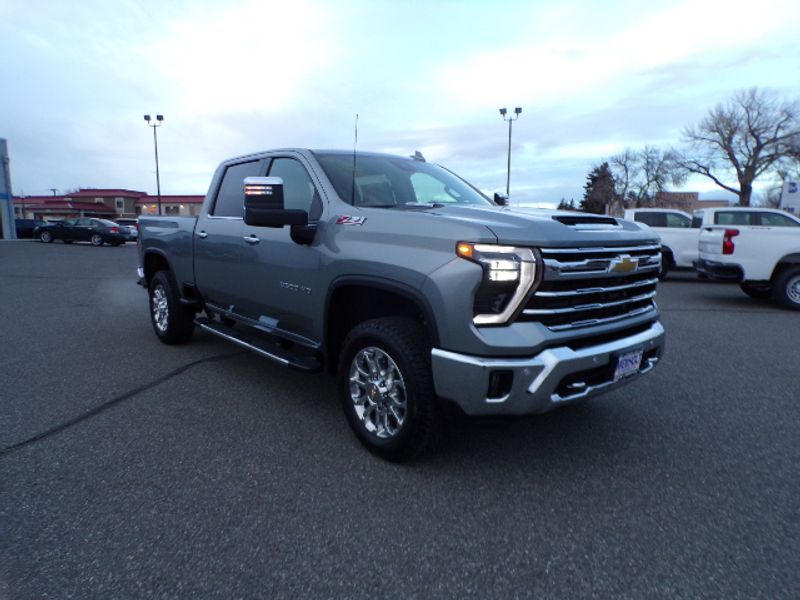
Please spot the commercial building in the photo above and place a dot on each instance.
(105, 203)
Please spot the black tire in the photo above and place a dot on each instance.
(759, 292)
(172, 322)
(666, 264)
(786, 290)
(406, 345)
(46, 237)
(96, 239)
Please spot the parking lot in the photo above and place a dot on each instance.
(131, 469)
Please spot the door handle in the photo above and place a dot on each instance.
(251, 239)
(202, 235)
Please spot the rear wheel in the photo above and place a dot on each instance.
(46, 237)
(172, 322)
(759, 292)
(787, 288)
(96, 239)
(387, 389)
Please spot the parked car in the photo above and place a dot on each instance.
(26, 227)
(130, 230)
(758, 248)
(678, 238)
(95, 231)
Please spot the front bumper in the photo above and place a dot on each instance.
(719, 271)
(552, 378)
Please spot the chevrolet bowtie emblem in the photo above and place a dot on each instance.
(623, 264)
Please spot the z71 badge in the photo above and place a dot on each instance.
(346, 220)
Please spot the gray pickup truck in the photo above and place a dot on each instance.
(411, 285)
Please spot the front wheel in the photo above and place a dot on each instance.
(46, 237)
(172, 322)
(666, 263)
(387, 389)
(787, 288)
(96, 239)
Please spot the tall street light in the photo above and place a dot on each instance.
(155, 125)
(510, 119)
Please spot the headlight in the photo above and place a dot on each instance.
(508, 276)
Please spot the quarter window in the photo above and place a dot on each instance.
(230, 197)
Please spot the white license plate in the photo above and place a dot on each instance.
(628, 364)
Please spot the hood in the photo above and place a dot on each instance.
(540, 227)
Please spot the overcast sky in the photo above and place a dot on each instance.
(239, 76)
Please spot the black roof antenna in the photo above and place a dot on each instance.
(355, 145)
(418, 156)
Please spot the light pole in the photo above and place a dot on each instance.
(155, 125)
(510, 119)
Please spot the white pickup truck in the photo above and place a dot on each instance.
(757, 247)
(678, 239)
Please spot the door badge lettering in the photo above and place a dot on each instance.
(348, 220)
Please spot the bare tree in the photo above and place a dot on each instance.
(640, 174)
(754, 133)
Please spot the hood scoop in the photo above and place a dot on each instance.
(588, 223)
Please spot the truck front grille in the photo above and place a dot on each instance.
(589, 286)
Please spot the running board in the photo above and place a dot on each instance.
(262, 347)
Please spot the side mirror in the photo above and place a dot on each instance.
(500, 199)
(263, 204)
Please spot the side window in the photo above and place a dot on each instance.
(653, 219)
(776, 220)
(298, 189)
(676, 220)
(230, 197)
(84, 223)
(733, 218)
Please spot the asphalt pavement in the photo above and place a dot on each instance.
(130, 469)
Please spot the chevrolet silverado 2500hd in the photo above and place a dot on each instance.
(409, 284)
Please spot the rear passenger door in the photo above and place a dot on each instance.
(220, 252)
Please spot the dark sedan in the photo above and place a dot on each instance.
(95, 231)
(26, 227)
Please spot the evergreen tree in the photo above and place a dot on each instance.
(598, 190)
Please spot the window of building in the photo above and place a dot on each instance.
(171, 209)
(230, 197)
(120, 204)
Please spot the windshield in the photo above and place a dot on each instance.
(392, 181)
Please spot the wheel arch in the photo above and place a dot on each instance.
(352, 300)
(155, 261)
(788, 260)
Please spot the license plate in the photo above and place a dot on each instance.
(628, 364)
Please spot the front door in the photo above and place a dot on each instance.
(283, 295)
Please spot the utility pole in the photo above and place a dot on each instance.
(510, 119)
(156, 124)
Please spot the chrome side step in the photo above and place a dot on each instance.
(262, 347)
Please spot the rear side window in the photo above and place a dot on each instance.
(737, 217)
(230, 197)
(653, 219)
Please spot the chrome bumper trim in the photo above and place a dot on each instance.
(464, 379)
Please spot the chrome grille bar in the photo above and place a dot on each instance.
(584, 307)
(596, 290)
(604, 320)
(610, 250)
